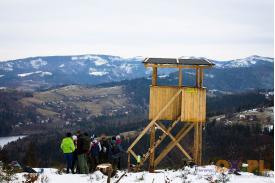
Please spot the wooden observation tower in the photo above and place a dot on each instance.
(177, 104)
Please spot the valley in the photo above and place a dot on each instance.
(239, 101)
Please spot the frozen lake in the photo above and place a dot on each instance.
(6, 140)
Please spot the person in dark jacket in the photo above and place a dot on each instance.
(116, 151)
(95, 150)
(105, 153)
(82, 151)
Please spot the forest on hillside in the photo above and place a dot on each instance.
(220, 140)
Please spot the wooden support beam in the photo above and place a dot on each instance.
(129, 161)
(161, 138)
(180, 77)
(177, 66)
(133, 153)
(152, 149)
(201, 78)
(183, 132)
(200, 144)
(195, 148)
(197, 77)
(154, 76)
(154, 120)
(163, 129)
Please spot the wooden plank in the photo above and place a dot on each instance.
(183, 132)
(193, 107)
(200, 145)
(152, 149)
(154, 76)
(176, 66)
(197, 77)
(180, 77)
(161, 138)
(164, 130)
(154, 120)
(129, 161)
(201, 78)
(196, 143)
(159, 96)
(133, 153)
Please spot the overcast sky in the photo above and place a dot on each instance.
(217, 29)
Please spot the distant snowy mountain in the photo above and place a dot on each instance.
(251, 61)
(45, 72)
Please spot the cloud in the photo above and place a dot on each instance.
(210, 28)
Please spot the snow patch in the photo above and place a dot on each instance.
(42, 74)
(128, 68)
(62, 65)
(46, 74)
(99, 61)
(36, 64)
(163, 76)
(28, 74)
(244, 62)
(94, 72)
(201, 174)
(7, 66)
(98, 73)
(209, 75)
(96, 59)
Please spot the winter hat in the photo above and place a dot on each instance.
(117, 137)
(74, 137)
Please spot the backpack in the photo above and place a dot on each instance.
(105, 147)
(95, 149)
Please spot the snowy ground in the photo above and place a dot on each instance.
(204, 174)
(6, 140)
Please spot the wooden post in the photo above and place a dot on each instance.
(201, 78)
(196, 142)
(197, 154)
(197, 77)
(180, 77)
(152, 149)
(129, 161)
(154, 76)
(200, 144)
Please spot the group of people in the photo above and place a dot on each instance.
(83, 153)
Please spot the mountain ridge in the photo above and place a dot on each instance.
(35, 73)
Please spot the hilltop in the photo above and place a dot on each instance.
(40, 73)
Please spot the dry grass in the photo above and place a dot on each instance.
(100, 99)
(47, 113)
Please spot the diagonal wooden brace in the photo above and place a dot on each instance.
(154, 120)
(133, 153)
(161, 138)
(162, 128)
(183, 132)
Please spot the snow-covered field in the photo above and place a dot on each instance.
(6, 140)
(204, 174)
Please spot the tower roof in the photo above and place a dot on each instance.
(179, 61)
